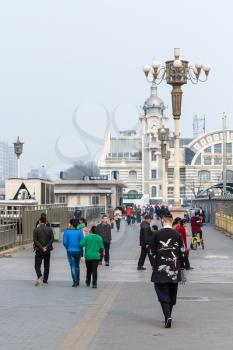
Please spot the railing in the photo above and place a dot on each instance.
(8, 236)
(25, 217)
(18, 222)
(225, 223)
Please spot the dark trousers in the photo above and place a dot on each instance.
(92, 266)
(186, 261)
(118, 224)
(167, 294)
(144, 252)
(39, 257)
(106, 252)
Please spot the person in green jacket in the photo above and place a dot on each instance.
(94, 248)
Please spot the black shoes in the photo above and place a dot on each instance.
(106, 264)
(94, 286)
(87, 284)
(76, 284)
(141, 268)
(168, 323)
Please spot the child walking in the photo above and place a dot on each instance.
(94, 248)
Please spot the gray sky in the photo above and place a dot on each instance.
(57, 54)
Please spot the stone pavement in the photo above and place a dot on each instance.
(123, 312)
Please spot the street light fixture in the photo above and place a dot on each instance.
(18, 148)
(176, 72)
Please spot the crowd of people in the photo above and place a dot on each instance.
(167, 248)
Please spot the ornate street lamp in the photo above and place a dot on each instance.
(18, 148)
(176, 72)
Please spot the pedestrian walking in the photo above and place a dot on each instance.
(179, 226)
(94, 249)
(139, 215)
(168, 251)
(104, 231)
(146, 237)
(71, 240)
(111, 217)
(43, 244)
(42, 215)
(117, 218)
(128, 213)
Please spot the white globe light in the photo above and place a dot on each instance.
(198, 66)
(206, 67)
(155, 65)
(177, 64)
(146, 69)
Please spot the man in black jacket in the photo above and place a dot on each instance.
(146, 237)
(104, 231)
(43, 239)
(168, 251)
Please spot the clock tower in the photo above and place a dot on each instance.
(152, 118)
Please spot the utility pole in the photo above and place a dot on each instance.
(224, 153)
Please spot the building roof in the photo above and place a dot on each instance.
(154, 101)
(123, 145)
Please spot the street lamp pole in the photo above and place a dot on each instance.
(18, 148)
(176, 72)
(224, 154)
(163, 134)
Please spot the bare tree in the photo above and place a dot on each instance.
(81, 169)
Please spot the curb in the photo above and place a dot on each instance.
(8, 252)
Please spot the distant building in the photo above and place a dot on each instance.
(42, 191)
(79, 193)
(135, 157)
(8, 161)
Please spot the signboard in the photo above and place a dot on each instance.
(95, 178)
(132, 196)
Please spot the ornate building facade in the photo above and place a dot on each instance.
(135, 157)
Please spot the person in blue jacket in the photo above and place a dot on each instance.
(71, 240)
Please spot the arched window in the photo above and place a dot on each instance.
(132, 175)
(115, 175)
(133, 192)
(204, 175)
(153, 191)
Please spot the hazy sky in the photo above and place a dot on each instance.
(56, 54)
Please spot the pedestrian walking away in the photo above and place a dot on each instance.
(117, 218)
(94, 249)
(104, 231)
(146, 237)
(71, 240)
(168, 251)
(43, 244)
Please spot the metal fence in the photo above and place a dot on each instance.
(25, 218)
(8, 236)
(224, 223)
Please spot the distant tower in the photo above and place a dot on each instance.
(199, 126)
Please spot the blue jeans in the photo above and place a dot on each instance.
(74, 261)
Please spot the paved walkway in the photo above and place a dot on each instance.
(123, 312)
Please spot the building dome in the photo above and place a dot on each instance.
(154, 102)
